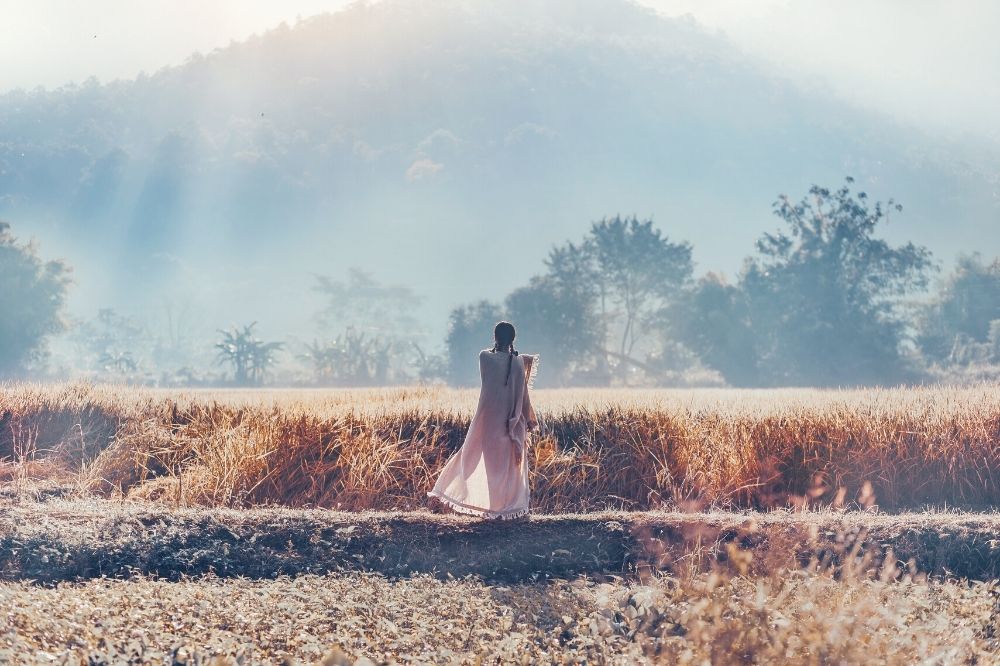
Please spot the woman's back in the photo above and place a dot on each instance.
(498, 396)
(488, 476)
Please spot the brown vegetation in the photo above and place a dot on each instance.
(789, 618)
(598, 449)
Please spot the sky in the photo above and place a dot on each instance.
(930, 63)
(933, 63)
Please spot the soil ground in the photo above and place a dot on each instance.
(70, 540)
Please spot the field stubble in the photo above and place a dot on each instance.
(135, 583)
(791, 618)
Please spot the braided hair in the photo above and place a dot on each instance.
(503, 336)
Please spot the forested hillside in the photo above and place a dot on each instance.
(418, 138)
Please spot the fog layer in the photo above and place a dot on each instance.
(443, 146)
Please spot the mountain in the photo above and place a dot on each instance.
(446, 145)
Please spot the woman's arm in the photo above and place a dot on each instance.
(482, 363)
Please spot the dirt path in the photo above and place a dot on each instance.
(76, 540)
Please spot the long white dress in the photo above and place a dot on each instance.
(488, 476)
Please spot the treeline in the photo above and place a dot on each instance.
(822, 301)
(365, 336)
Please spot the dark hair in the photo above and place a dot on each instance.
(503, 336)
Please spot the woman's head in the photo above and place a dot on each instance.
(503, 335)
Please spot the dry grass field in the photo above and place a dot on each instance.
(598, 449)
(694, 526)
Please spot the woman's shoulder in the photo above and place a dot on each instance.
(489, 352)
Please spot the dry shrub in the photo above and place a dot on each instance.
(381, 448)
(791, 617)
(844, 605)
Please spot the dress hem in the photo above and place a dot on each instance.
(468, 510)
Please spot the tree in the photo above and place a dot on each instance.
(363, 304)
(613, 289)
(377, 327)
(638, 273)
(962, 313)
(558, 320)
(993, 340)
(713, 320)
(119, 362)
(175, 336)
(352, 359)
(326, 360)
(470, 329)
(110, 342)
(32, 294)
(249, 356)
(593, 309)
(825, 295)
(430, 368)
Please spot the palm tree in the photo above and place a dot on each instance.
(351, 359)
(249, 356)
(118, 361)
(325, 359)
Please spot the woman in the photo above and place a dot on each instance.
(488, 476)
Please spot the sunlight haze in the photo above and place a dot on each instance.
(217, 161)
(930, 63)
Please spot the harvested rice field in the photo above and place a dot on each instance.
(142, 526)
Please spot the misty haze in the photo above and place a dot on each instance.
(468, 331)
(403, 143)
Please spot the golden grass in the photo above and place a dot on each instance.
(381, 448)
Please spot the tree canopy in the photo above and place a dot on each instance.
(32, 294)
(825, 293)
(470, 330)
(963, 319)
